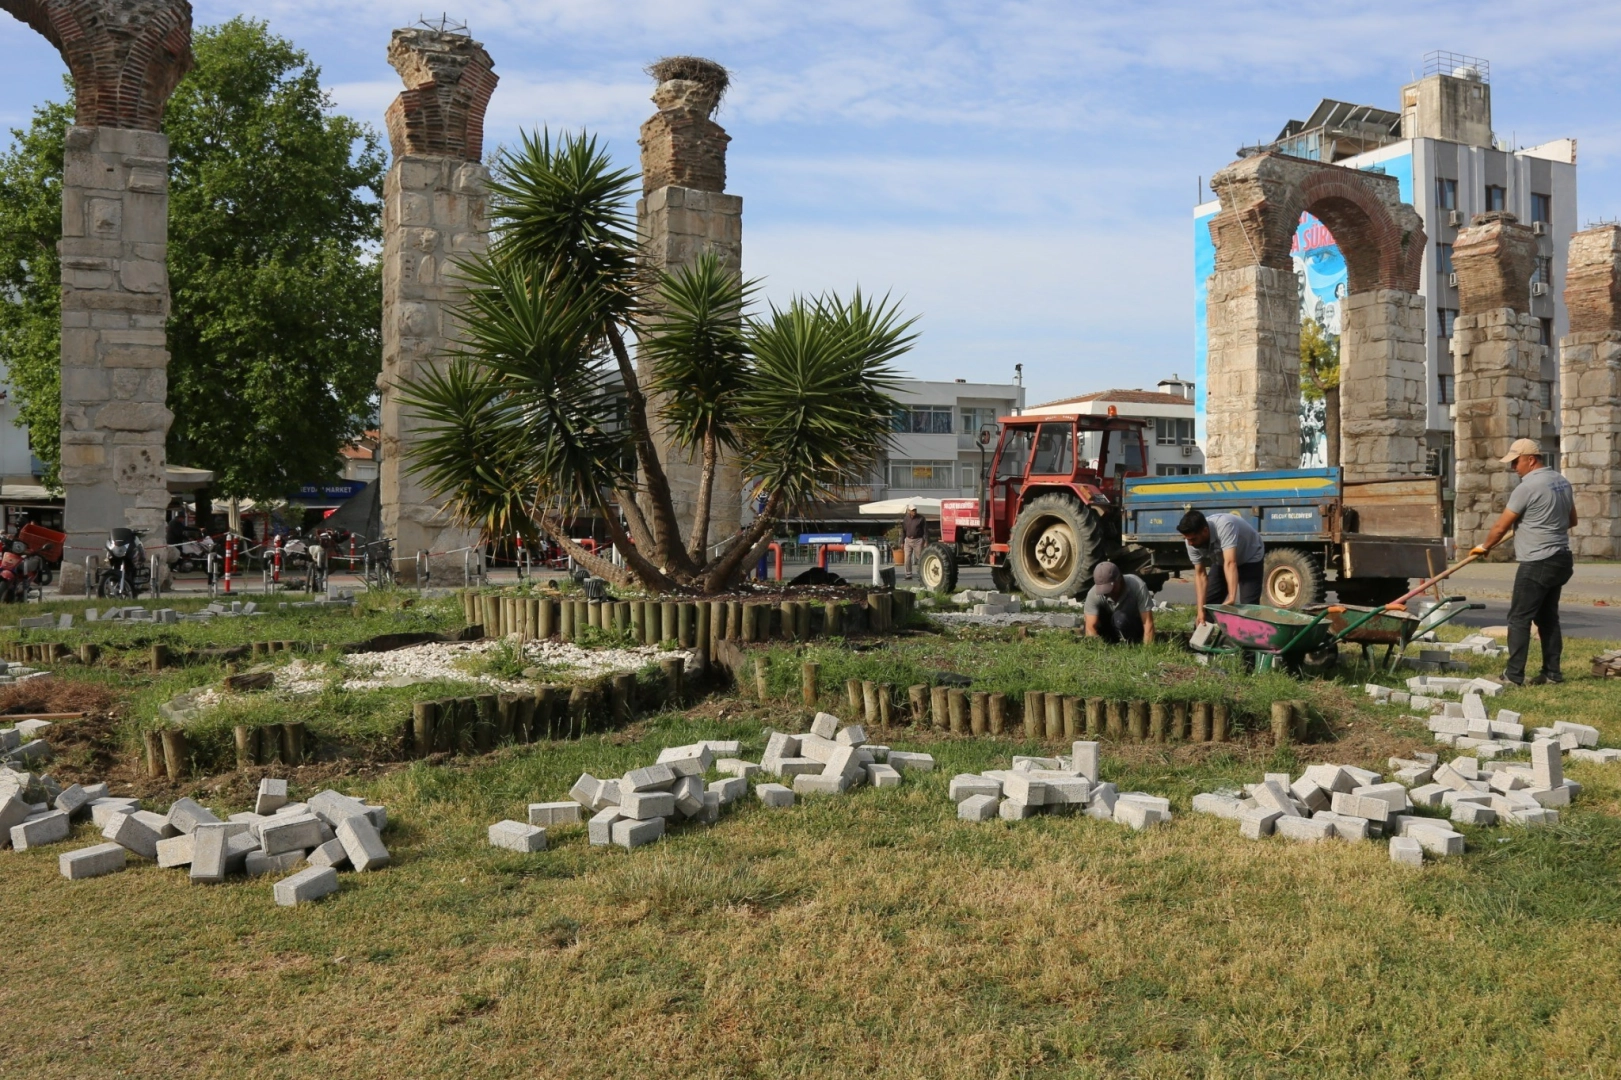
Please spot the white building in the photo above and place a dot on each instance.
(1172, 448)
(936, 452)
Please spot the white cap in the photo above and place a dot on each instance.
(1520, 448)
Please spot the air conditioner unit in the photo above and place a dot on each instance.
(1187, 451)
(1539, 288)
(1539, 228)
(1545, 416)
(1455, 218)
(1452, 280)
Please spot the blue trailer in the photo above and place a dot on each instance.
(1363, 539)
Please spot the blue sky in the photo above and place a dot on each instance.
(1020, 173)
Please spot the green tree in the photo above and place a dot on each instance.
(1320, 385)
(273, 226)
(30, 280)
(543, 413)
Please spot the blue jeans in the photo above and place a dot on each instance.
(1536, 599)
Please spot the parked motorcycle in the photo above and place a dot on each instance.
(20, 572)
(193, 555)
(126, 573)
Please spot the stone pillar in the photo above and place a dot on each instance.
(435, 212)
(126, 57)
(1382, 397)
(683, 213)
(1497, 357)
(1590, 391)
(1252, 404)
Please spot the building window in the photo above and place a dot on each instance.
(1541, 208)
(1547, 332)
(1443, 258)
(976, 419)
(923, 420)
(1178, 470)
(1446, 193)
(1545, 394)
(1543, 273)
(922, 475)
(1445, 318)
(1446, 391)
(1496, 198)
(1170, 431)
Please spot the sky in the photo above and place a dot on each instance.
(1021, 175)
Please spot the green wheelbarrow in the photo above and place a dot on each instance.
(1273, 637)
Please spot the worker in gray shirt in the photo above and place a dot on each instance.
(1234, 548)
(1541, 511)
(1118, 608)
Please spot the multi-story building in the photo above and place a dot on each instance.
(1173, 449)
(1450, 165)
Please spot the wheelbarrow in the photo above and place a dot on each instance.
(1273, 637)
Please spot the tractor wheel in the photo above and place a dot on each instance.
(1002, 578)
(1370, 592)
(1291, 579)
(1055, 544)
(938, 568)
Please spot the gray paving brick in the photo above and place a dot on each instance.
(272, 796)
(305, 886)
(633, 834)
(649, 778)
(554, 813)
(51, 827)
(599, 830)
(825, 724)
(646, 805)
(175, 851)
(330, 854)
(774, 795)
(731, 789)
(517, 836)
(978, 808)
(1405, 851)
(295, 833)
(258, 863)
(362, 843)
(92, 861)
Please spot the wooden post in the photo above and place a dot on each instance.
(917, 697)
(762, 683)
(702, 637)
(1074, 722)
(485, 726)
(1094, 717)
(621, 617)
(1159, 721)
(1219, 718)
(785, 611)
(532, 620)
(998, 711)
(1302, 721)
(957, 707)
(154, 753)
(802, 620)
(638, 625)
(939, 707)
(852, 694)
(578, 701)
(546, 620)
(1201, 721)
(525, 723)
(1035, 714)
(1055, 716)
(673, 688)
(423, 715)
(869, 703)
(506, 717)
(1137, 715)
(886, 698)
(160, 657)
(979, 712)
(624, 694)
(734, 619)
(832, 624)
(683, 625)
(244, 745)
(565, 619)
(593, 614)
(717, 620)
(292, 742)
(176, 754)
(809, 673)
(751, 618)
(1283, 723)
(667, 621)
(543, 724)
(89, 652)
(1179, 721)
(875, 614)
(1115, 720)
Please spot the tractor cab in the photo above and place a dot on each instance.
(1087, 456)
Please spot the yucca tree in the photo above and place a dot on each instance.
(528, 424)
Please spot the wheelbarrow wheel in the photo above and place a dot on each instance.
(1322, 663)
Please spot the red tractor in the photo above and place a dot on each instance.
(1052, 500)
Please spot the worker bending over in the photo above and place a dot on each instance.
(1234, 547)
(1118, 608)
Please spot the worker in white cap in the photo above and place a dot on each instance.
(1541, 511)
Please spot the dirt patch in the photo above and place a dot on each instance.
(54, 696)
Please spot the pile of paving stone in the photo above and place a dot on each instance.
(13, 672)
(1469, 725)
(23, 745)
(1064, 784)
(830, 759)
(1607, 665)
(330, 832)
(1344, 802)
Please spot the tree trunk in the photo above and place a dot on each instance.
(720, 574)
(668, 551)
(1331, 425)
(706, 491)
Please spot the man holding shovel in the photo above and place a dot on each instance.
(1541, 511)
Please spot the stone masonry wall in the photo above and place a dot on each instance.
(1590, 391)
(115, 356)
(1252, 405)
(1498, 358)
(1382, 400)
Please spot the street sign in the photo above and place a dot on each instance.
(827, 538)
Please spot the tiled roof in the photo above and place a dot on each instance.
(1125, 397)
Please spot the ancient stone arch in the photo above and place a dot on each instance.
(1590, 390)
(126, 57)
(1252, 403)
(435, 212)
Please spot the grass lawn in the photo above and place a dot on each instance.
(870, 934)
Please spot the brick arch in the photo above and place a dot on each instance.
(449, 79)
(126, 56)
(1379, 253)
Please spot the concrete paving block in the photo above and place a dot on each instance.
(1393, 793)
(1013, 810)
(102, 810)
(1547, 764)
(208, 854)
(92, 861)
(1258, 822)
(272, 796)
(186, 815)
(362, 843)
(633, 834)
(851, 735)
(1085, 759)
(1585, 735)
(1100, 804)
(731, 789)
(1480, 728)
(1030, 763)
(258, 863)
(1437, 841)
(1453, 709)
(1533, 817)
(330, 854)
(1361, 777)
(175, 851)
(554, 813)
(14, 810)
(33, 729)
(600, 829)
(1134, 814)
(1474, 707)
(1068, 791)
(516, 836)
(95, 791)
(1473, 813)
(1303, 829)
(1414, 776)
(1309, 795)
(1350, 829)
(10, 739)
(1506, 780)
(722, 747)
(795, 766)
(1447, 776)
(1552, 797)
(817, 748)
(825, 724)
(1500, 730)
(694, 760)
(883, 775)
(878, 751)
(1405, 851)
(1222, 806)
(296, 833)
(780, 745)
(967, 785)
(73, 801)
(333, 807)
(806, 784)
(846, 764)
(1020, 787)
(689, 796)
(587, 791)
(1274, 796)
(305, 886)
(295, 809)
(904, 760)
(646, 805)
(774, 795)
(51, 827)
(135, 832)
(737, 767)
(1377, 692)
(978, 808)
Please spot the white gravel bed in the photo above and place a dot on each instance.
(1034, 618)
(423, 663)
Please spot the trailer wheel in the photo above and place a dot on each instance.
(1291, 579)
(938, 568)
(1056, 542)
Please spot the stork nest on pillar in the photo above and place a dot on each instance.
(693, 69)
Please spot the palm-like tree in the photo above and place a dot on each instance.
(529, 424)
